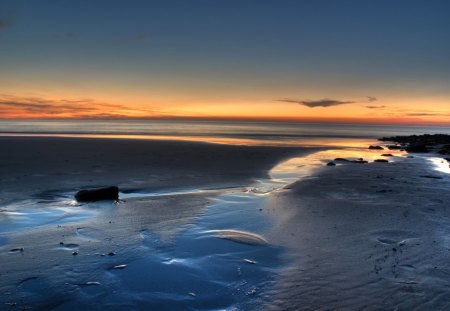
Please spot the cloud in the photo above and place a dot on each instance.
(426, 114)
(49, 107)
(4, 23)
(140, 37)
(325, 102)
(375, 107)
(32, 107)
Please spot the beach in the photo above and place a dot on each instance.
(53, 246)
(33, 165)
(214, 226)
(365, 237)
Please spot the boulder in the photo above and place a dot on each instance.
(99, 194)
(331, 164)
(376, 147)
(417, 148)
(381, 160)
(394, 147)
(341, 160)
(360, 161)
(387, 155)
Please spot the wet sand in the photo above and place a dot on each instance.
(352, 236)
(364, 237)
(56, 254)
(41, 166)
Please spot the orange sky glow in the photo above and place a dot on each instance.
(397, 110)
(228, 60)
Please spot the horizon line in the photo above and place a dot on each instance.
(350, 120)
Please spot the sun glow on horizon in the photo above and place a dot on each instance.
(226, 60)
(400, 111)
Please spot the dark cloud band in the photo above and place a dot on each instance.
(80, 108)
(325, 102)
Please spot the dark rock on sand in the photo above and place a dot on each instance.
(387, 155)
(109, 193)
(420, 143)
(431, 176)
(17, 250)
(444, 149)
(360, 161)
(426, 139)
(376, 147)
(341, 160)
(381, 160)
(394, 147)
(417, 148)
(331, 164)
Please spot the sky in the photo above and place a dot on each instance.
(319, 60)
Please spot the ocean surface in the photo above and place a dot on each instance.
(232, 132)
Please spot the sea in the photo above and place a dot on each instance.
(228, 132)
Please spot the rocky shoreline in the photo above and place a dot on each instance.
(439, 143)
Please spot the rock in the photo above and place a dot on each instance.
(431, 176)
(17, 250)
(341, 160)
(360, 161)
(427, 139)
(420, 143)
(381, 160)
(331, 164)
(91, 195)
(376, 147)
(387, 155)
(417, 148)
(394, 147)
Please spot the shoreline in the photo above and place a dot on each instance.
(329, 234)
(46, 266)
(38, 167)
(364, 237)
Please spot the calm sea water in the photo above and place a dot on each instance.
(215, 131)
